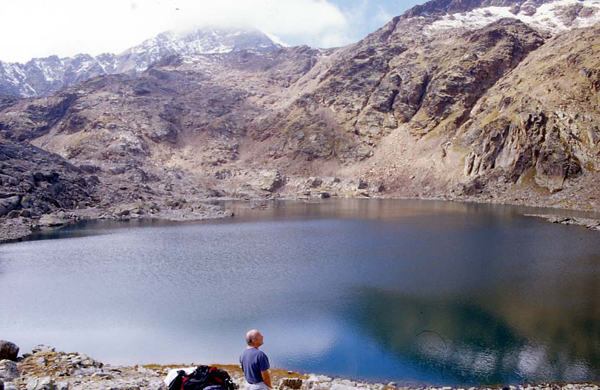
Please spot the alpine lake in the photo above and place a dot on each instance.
(416, 292)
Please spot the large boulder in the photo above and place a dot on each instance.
(8, 370)
(128, 210)
(8, 350)
(51, 220)
(270, 180)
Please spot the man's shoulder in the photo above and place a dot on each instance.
(252, 352)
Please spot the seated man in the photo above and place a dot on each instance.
(255, 363)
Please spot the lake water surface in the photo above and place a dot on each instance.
(410, 291)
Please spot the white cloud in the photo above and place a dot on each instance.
(37, 28)
(332, 39)
(362, 17)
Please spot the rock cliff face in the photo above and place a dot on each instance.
(540, 125)
(501, 111)
(387, 81)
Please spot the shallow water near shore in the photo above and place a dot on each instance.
(402, 290)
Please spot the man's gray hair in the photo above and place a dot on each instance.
(251, 336)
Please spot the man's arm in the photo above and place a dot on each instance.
(266, 377)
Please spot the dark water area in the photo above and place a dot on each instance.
(410, 291)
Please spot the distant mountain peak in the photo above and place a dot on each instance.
(207, 40)
(42, 76)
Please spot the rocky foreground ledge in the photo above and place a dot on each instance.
(46, 369)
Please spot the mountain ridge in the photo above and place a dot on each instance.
(42, 76)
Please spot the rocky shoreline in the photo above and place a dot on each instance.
(590, 223)
(47, 369)
(18, 227)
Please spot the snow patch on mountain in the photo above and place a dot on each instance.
(50, 73)
(552, 17)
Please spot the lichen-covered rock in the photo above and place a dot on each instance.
(8, 370)
(44, 383)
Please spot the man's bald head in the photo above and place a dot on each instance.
(254, 338)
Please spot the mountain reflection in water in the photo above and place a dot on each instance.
(470, 343)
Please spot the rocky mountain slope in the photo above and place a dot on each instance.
(42, 76)
(541, 124)
(504, 112)
(35, 179)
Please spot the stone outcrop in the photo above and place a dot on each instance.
(47, 369)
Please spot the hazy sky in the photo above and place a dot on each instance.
(39, 28)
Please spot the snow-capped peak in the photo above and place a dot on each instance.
(42, 76)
